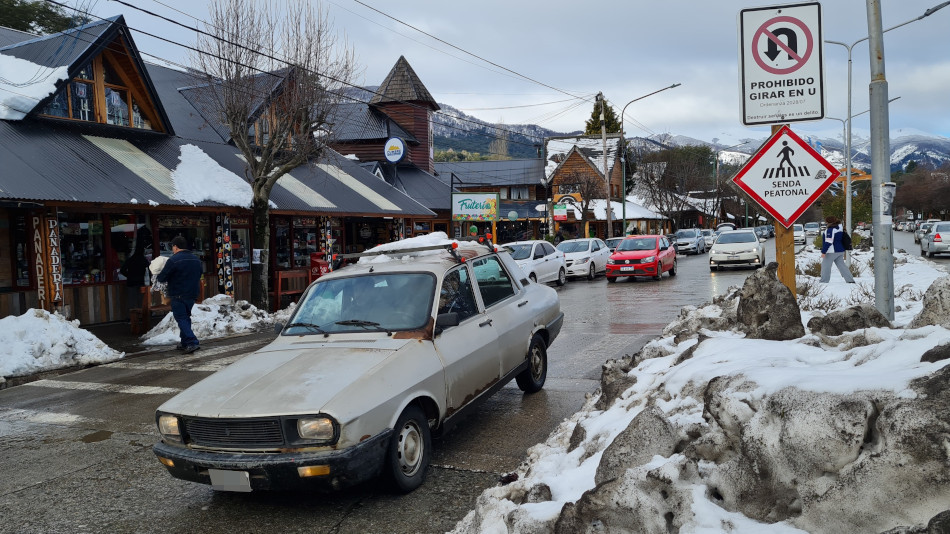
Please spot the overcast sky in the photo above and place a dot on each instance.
(624, 48)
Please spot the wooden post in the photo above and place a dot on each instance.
(785, 248)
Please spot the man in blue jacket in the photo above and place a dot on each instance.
(182, 273)
(832, 251)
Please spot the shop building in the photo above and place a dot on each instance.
(107, 154)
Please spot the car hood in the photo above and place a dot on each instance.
(633, 254)
(576, 255)
(284, 378)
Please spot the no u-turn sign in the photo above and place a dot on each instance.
(780, 58)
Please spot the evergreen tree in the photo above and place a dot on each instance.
(36, 16)
(612, 123)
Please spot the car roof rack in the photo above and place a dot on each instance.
(452, 248)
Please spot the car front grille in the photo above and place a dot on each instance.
(243, 433)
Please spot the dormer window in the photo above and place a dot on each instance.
(107, 90)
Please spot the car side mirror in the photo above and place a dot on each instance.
(761, 240)
(538, 255)
(446, 320)
(278, 327)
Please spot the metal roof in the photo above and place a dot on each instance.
(428, 190)
(528, 171)
(357, 121)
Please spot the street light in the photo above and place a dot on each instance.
(623, 155)
(847, 202)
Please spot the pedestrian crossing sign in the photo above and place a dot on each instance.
(785, 176)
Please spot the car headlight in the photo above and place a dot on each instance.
(611, 261)
(168, 427)
(582, 260)
(316, 428)
(648, 259)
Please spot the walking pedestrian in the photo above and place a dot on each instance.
(832, 251)
(182, 274)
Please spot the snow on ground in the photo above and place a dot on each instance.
(216, 317)
(889, 363)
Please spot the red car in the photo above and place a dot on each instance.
(642, 255)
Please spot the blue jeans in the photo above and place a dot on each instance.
(181, 311)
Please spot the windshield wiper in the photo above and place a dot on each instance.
(311, 327)
(357, 322)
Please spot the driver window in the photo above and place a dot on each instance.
(456, 294)
(493, 281)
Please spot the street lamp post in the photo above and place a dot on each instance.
(623, 155)
(847, 202)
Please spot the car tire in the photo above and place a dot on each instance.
(561, 277)
(930, 253)
(531, 380)
(591, 274)
(713, 268)
(611, 279)
(410, 450)
(922, 253)
(673, 268)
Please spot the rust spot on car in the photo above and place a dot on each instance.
(422, 333)
(364, 438)
(469, 398)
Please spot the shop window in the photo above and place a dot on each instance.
(240, 252)
(306, 234)
(82, 246)
(127, 233)
(195, 229)
(21, 247)
(282, 243)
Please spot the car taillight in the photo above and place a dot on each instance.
(937, 238)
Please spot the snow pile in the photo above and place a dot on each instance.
(216, 317)
(428, 240)
(39, 340)
(23, 84)
(715, 432)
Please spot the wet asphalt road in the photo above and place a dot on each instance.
(75, 449)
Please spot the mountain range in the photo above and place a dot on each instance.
(454, 129)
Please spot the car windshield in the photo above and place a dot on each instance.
(811, 226)
(798, 228)
(638, 243)
(520, 252)
(375, 302)
(736, 237)
(686, 234)
(573, 246)
(707, 233)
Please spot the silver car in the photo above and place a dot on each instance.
(377, 357)
(798, 234)
(936, 240)
(735, 248)
(690, 241)
(921, 231)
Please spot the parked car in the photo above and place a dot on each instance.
(798, 234)
(762, 231)
(375, 359)
(539, 260)
(585, 256)
(708, 236)
(735, 248)
(690, 241)
(612, 242)
(812, 229)
(726, 226)
(642, 255)
(936, 240)
(921, 231)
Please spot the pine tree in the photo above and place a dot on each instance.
(36, 16)
(592, 126)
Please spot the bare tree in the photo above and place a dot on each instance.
(666, 179)
(587, 185)
(274, 72)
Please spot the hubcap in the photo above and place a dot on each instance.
(409, 448)
(537, 365)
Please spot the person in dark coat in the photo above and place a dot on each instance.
(832, 251)
(182, 274)
(134, 270)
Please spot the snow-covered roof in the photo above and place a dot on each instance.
(591, 147)
(599, 208)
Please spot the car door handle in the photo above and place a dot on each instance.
(522, 303)
(485, 323)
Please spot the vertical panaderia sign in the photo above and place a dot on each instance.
(225, 265)
(48, 262)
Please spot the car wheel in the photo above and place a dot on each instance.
(590, 273)
(533, 278)
(531, 380)
(673, 268)
(409, 450)
(561, 277)
(611, 279)
(922, 253)
(930, 253)
(713, 268)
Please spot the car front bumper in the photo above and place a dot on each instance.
(726, 260)
(578, 269)
(637, 269)
(279, 471)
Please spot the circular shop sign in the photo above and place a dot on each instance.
(512, 215)
(395, 149)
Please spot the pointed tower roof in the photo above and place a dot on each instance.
(403, 85)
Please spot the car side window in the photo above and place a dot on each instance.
(548, 249)
(538, 251)
(456, 294)
(596, 246)
(494, 284)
